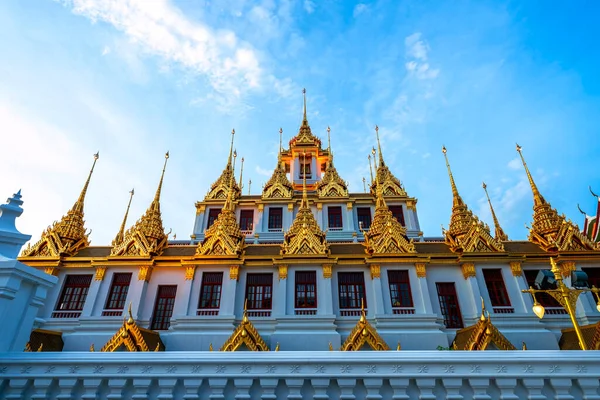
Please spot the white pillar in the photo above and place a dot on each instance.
(378, 305)
(324, 291)
(92, 297)
(229, 291)
(136, 296)
(184, 293)
(421, 297)
(279, 299)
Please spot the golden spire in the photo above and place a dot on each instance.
(278, 186)
(537, 197)
(218, 190)
(230, 149)
(245, 334)
(249, 186)
(78, 206)
(280, 140)
(379, 146)
(363, 334)
(391, 186)
(119, 238)
(329, 140)
(364, 184)
(305, 136)
(498, 232)
(370, 169)
(304, 118)
(242, 174)
(156, 202)
(331, 184)
(456, 199)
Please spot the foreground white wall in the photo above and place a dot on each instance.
(309, 375)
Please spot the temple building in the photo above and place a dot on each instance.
(308, 266)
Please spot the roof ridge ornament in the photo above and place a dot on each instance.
(498, 231)
(245, 334)
(391, 185)
(363, 334)
(218, 190)
(278, 186)
(130, 337)
(331, 184)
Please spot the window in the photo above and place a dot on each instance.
(364, 217)
(400, 288)
(259, 290)
(246, 220)
(398, 214)
(351, 289)
(213, 214)
(593, 276)
(275, 218)
(306, 289)
(543, 298)
(73, 294)
(210, 292)
(163, 308)
(496, 289)
(118, 291)
(334, 215)
(305, 168)
(449, 304)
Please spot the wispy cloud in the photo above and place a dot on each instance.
(309, 6)
(105, 50)
(416, 53)
(359, 9)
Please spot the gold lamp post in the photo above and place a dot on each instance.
(566, 296)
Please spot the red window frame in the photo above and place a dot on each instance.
(306, 289)
(117, 295)
(496, 287)
(213, 214)
(351, 290)
(398, 213)
(74, 293)
(275, 217)
(449, 305)
(259, 291)
(246, 220)
(163, 307)
(543, 298)
(305, 168)
(364, 215)
(210, 291)
(400, 293)
(334, 217)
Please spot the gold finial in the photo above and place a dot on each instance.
(130, 320)
(398, 347)
(330, 347)
(456, 197)
(92, 348)
(364, 184)
(329, 140)
(537, 197)
(234, 158)
(524, 346)
(155, 203)
(277, 347)
(229, 159)
(280, 140)
(78, 206)
(120, 235)
(498, 232)
(157, 348)
(249, 185)
(370, 168)
(304, 119)
(241, 174)
(374, 152)
(210, 347)
(379, 146)
(41, 347)
(482, 309)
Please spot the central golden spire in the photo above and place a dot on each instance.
(381, 162)
(456, 199)
(305, 136)
(498, 231)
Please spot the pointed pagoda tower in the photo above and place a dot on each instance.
(67, 236)
(331, 185)
(147, 236)
(391, 184)
(552, 232)
(498, 231)
(220, 188)
(304, 237)
(278, 186)
(121, 234)
(466, 232)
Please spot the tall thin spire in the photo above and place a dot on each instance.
(242, 174)
(230, 149)
(229, 200)
(280, 140)
(121, 234)
(156, 202)
(498, 232)
(370, 168)
(304, 118)
(234, 158)
(380, 201)
(249, 186)
(374, 153)
(78, 206)
(537, 197)
(379, 146)
(456, 199)
(329, 139)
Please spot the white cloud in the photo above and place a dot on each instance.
(417, 53)
(515, 163)
(309, 6)
(105, 50)
(415, 47)
(265, 172)
(359, 9)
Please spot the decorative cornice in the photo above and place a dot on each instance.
(145, 273)
(327, 268)
(190, 271)
(100, 272)
(234, 272)
(468, 270)
(283, 272)
(421, 270)
(515, 268)
(375, 270)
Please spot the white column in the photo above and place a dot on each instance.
(228, 293)
(349, 222)
(279, 301)
(184, 293)
(378, 305)
(324, 293)
(91, 298)
(523, 301)
(136, 296)
(421, 296)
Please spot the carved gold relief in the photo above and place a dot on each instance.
(375, 271)
(349, 206)
(278, 186)
(421, 270)
(201, 209)
(283, 272)
(331, 185)
(51, 271)
(234, 272)
(480, 336)
(145, 273)
(190, 271)
(245, 334)
(100, 271)
(130, 337)
(364, 334)
(515, 268)
(327, 271)
(468, 270)
(566, 267)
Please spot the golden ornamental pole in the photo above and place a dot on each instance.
(565, 293)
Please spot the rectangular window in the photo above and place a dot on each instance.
(163, 308)
(593, 276)
(334, 215)
(496, 289)
(398, 214)
(400, 288)
(118, 291)
(306, 289)
(351, 287)
(246, 220)
(213, 214)
(305, 168)
(544, 299)
(210, 292)
(449, 304)
(275, 218)
(259, 291)
(74, 293)
(364, 217)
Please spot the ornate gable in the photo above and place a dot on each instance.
(67, 236)
(245, 334)
(391, 185)
(220, 188)
(305, 136)
(481, 336)
(331, 185)
(364, 334)
(278, 186)
(131, 337)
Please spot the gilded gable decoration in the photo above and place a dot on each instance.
(245, 334)
(278, 186)
(147, 236)
(498, 231)
(364, 334)
(552, 232)
(131, 337)
(100, 272)
(304, 237)
(121, 234)
(218, 190)
(466, 232)
(331, 185)
(67, 236)
(481, 336)
(391, 185)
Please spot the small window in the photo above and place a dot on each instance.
(210, 293)
(213, 214)
(246, 220)
(117, 295)
(496, 288)
(398, 214)
(364, 217)
(163, 308)
(275, 218)
(449, 304)
(400, 288)
(74, 293)
(306, 289)
(351, 286)
(334, 215)
(543, 298)
(259, 291)
(305, 168)
(593, 276)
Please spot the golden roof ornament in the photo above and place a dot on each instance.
(466, 232)
(121, 234)
(67, 236)
(305, 136)
(224, 237)
(498, 231)
(147, 236)
(218, 190)
(304, 237)
(278, 186)
(390, 184)
(551, 231)
(481, 336)
(131, 337)
(364, 334)
(245, 334)
(331, 185)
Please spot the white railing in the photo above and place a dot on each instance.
(274, 230)
(503, 310)
(247, 232)
(555, 311)
(403, 310)
(305, 311)
(351, 312)
(66, 314)
(259, 313)
(336, 229)
(112, 313)
(207, 311)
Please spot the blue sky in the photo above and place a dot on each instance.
(134, 78)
